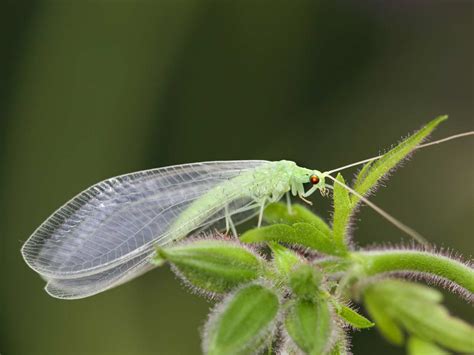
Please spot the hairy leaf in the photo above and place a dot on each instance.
(213, 265)
(420, 314)
(315, 240)
(362, 174)
(278, 213)
(342, 213)
(274, 233)
(352, 317)
(303, 234)
(368, 177)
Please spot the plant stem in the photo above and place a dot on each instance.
(376, 262)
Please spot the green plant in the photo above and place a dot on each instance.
(289, 286)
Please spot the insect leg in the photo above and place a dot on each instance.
(260, 216)
(305, 200)
(232, 227)
(310, 191)
(227, 218)
(302, 195)
(228, 222)
(288, 203)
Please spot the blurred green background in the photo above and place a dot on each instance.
(93, 89)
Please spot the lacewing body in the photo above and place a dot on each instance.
(107, 234)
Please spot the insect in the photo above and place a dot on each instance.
(106, 235)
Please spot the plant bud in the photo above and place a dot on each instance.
(243, 323)
(305, 281)
(213, 265)
(310, 325)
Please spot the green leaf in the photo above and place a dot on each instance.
(310, 325)
(352, 317)
(278, 213)
(421, 314)
(385, 324)
(417, 346)
(284, 259)
(274, 233)
(213, 265)
(434, 323)
(243, 323)
(369, 176)
(411, 290)
(342, 213)
(311, 237)
(362, 174)
(303, 234)
(305, 282)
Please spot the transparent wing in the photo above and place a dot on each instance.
(120, 218)
(80, 287)
(92, 284)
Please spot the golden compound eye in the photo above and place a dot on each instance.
(314, 179)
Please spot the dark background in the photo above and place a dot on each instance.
(93, 89)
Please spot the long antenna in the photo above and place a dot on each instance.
(455, 136)
(404, 228)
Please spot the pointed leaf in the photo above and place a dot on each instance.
(303, 234)
(342, 213)
(243, 323)
(420, 314)
(213, 265)
(434, 323)
(361, 175)
(310, 325)
(278, 213)
(310, 236)
(391, 159)
(352, 317)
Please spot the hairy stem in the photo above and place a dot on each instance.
(376, 262)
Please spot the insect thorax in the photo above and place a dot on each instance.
(276, 178)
